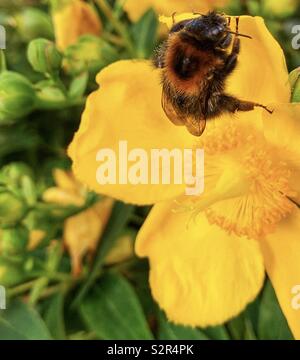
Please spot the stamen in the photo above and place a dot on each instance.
(247, 189)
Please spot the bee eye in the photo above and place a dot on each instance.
(217, 30)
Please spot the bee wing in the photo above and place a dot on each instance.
(195, 126)
(169, 110)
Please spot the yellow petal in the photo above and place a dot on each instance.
(82, 232)
(127, 107)
(73, 20)
(64, 180)
(59, 196)
(136, 9)
(199, 274)
(282, 129)
(281, 252)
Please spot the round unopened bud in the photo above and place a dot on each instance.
(14, 240)
(17, 97)
(89, 53)
(43, 56)
(12, 208)
(295, 84)
(11, 273)
(13, 173)
(33, 23)
(50, 94)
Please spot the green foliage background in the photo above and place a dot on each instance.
(44, 301)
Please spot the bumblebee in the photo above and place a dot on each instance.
(195, 62)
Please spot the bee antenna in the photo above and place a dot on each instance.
(238, 34)
(197, 13)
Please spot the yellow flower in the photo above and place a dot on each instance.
(136, 8)
(208, 254)
(72, 19)
(82, 232)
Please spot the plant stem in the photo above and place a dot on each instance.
(114, 39)
(43, 104)
(117, 24)
(3, 66)
(20, 289)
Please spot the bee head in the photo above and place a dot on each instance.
(211, 27)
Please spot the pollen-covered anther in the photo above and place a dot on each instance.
(266, 201)
(217, 139)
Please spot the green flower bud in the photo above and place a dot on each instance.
(43, 56)
(48, 94)
(14, 240)
(89, 53)
(13, 173)
(17, 97)
(295, 84)
(12, 208)
(11, 273)
(33, 23)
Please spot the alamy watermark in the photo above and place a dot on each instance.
(156, 166)
(296, 38)
(2, 298)
(2, 37)
(296, 298)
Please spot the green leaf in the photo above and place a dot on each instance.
(169, 331)
(8, 332)
(113, 312)
(217, 333)
(144, 33)
(22, 322)
(54, 317)
(78, 86)
(294, 79)
(237, 327)
(249, 330)
(272, 324)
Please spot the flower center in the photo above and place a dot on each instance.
(247, 184)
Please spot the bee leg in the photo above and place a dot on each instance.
(230, 62)
(264, 107)
(225, 43)
(228, 21)
(231, 104)
(248, 105)
(237, 22)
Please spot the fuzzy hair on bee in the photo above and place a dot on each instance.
(195, 64)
